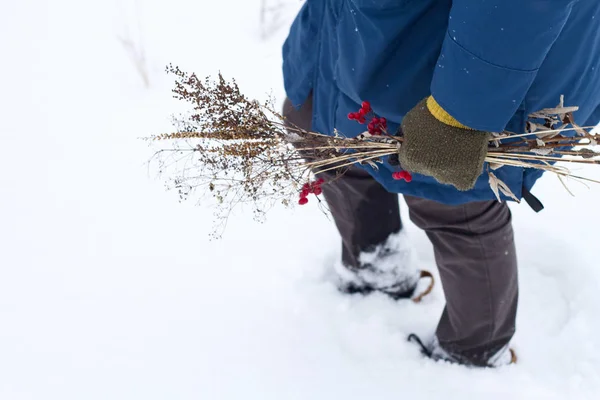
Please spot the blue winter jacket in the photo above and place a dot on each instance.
(489, 63)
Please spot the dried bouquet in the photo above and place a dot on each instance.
(241, 151)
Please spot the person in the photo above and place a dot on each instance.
(450, 73)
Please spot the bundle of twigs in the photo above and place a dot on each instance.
(244, 152)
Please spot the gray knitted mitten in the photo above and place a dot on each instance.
(449, 154)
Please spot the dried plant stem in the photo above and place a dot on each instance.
(546, 158)
(353, 162)
(357, 157)
(561, 130)
(524, 164)
(343, 148)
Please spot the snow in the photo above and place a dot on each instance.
(110, 288)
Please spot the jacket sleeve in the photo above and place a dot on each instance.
(490, 57)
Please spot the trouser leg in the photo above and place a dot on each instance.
(364, 212)
(475, 253)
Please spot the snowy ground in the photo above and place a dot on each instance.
(110, 289)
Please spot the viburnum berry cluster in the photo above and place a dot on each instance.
(310, 188)
(361, 115)
(376, 126)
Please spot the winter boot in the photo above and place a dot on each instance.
(401, 290)
(389, 268)
(504, 356)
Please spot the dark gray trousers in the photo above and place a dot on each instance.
(473, 245)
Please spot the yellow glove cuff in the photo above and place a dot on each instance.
(441, 115)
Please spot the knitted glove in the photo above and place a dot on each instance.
(437, 145)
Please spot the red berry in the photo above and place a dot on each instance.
(383, 121)
(303, 201)
(366, 106)
(375, 120)
(361, 113)
(318, 190)
(399, 175)
(320, 181)
(362, 119)
(304, 193)
(306, 186)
